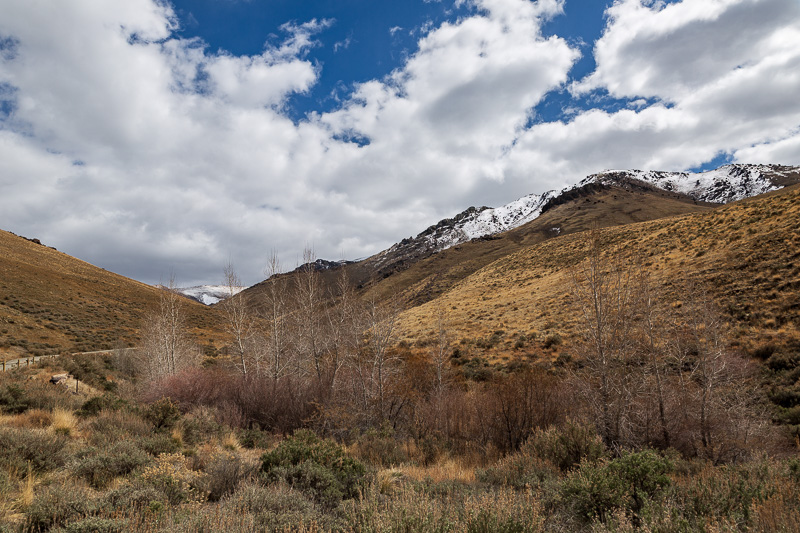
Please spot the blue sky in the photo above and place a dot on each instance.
(152, 137)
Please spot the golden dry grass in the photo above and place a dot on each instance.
(64, 422)
(447, 469)
(747, 255)
(51, 302)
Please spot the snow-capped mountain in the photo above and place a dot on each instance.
(728, 183)
(209, 294)
(725, 184)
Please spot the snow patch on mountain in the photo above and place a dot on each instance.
(722, 185)
(728, 183)
(209, 294)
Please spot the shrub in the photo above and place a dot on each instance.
(94, 524)
(172, 476)
(112, 426)
(55, 506)
(627, 483)
(224, 471)
(93, 406)
(198, 425)
(44, 450)
(380, 447)
(158, 444)
(14, 400)
(317, 466)
(519, 470)
(163, 414)
(275, 507)
(255, 438)
(130, 497)
(100, 467)
(565, 447)
(783, 361)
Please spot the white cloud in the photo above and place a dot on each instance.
(724, 74)
(144, 152)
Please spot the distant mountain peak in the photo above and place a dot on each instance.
(209, 294)
(725, 184)
(722, 185)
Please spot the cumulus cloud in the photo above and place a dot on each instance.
(723, 76)
(141, 151)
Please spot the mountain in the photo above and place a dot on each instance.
(209, 294)
(722, 185)
(52, 302)
(744, 254)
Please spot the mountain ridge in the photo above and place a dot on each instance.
(722, 185)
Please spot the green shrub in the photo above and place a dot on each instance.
(55, 505)
(93, 406)
(565, 446)
(158, 444)
(14, 400)
(317, 466)
(254, 438)
(224, 471)
(783, 361)
(99, 468)
(163, 414)
(790, 415)
(627, 483)
(45, 451)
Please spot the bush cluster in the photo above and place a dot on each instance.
(319, 467)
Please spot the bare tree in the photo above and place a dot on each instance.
(240, 325)
(346, 324)
(601, 287)
(652, 344)
(166, 346)
(275, 313)
(378, 363)
(440, 353)
(309, 316)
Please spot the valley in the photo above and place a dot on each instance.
(620, 356)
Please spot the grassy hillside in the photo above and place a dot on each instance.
(746, 254)
(50, 302)
(604, 207)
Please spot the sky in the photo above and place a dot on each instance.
(162, 139)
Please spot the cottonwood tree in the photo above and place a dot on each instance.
(240, 324)
(166, 347)
(601, 288)
(652, 345)
(275, 313)
(376, 364)
(309, 317)
(719, 399)
(346, 324)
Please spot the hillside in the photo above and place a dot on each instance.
(746, 254)
(594, 204)
(424, 266)
(51, 302)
